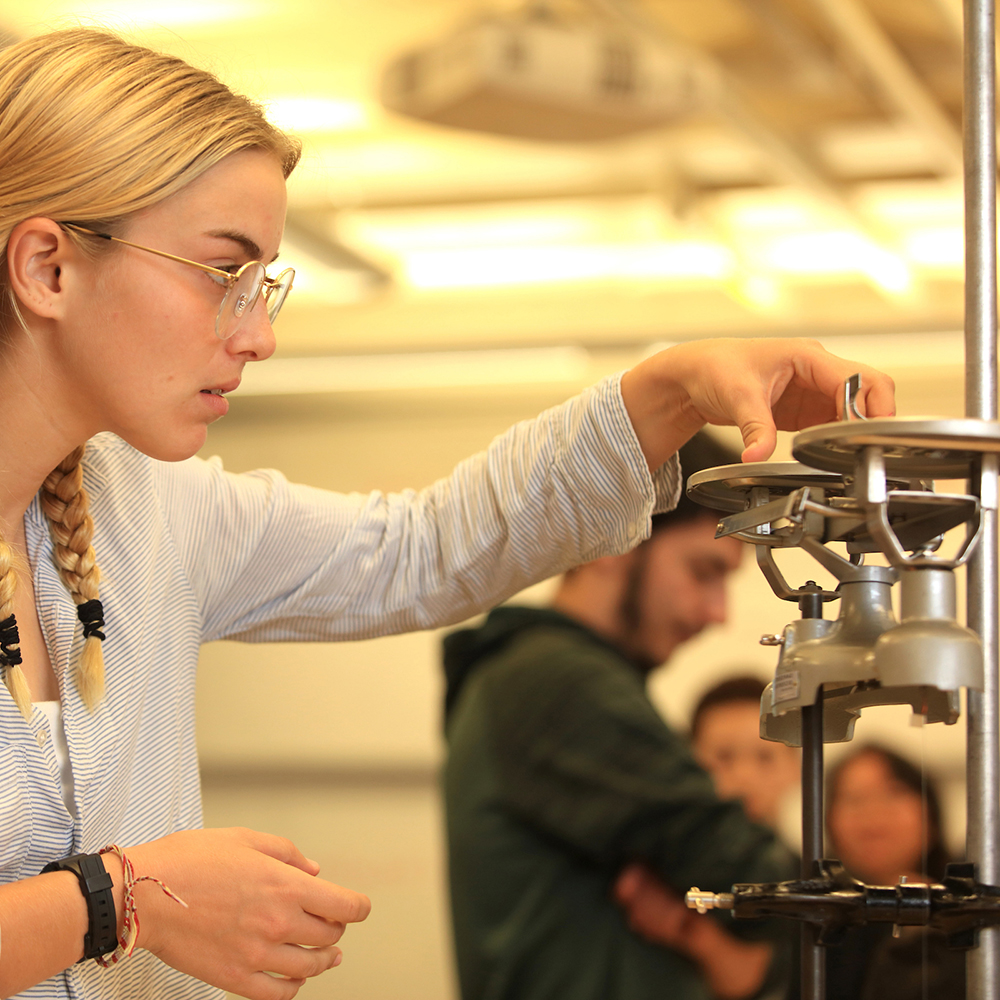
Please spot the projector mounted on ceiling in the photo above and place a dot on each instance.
(537, 78)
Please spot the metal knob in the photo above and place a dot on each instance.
(705, 901)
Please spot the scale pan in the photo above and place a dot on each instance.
(727, 487)
(914, 447)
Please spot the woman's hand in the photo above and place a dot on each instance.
(760, 386)
(255, 907)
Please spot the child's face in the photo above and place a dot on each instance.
(742, 765)
(876, 822)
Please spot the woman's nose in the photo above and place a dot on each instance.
(255, 335)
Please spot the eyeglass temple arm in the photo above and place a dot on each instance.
(159, 253)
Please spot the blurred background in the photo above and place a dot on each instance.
(498, 204)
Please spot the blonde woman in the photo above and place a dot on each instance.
(138, 198)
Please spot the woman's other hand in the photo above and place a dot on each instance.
(760, 386)
(255, 906)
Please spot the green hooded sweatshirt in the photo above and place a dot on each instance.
(560, 772)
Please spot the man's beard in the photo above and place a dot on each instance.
(630, 616)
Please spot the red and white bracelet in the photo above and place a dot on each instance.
(130, 922)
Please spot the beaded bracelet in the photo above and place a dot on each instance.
(130, 922)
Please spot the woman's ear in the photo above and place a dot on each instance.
(37, 254)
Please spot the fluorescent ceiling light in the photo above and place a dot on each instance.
(839, 253)
(594, 220)
(771, 214)
(445, 230)
(483, 267)
(446, 369)
(938, 202)
(316, 114)
(941, 247)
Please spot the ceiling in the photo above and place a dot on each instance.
(817, 189)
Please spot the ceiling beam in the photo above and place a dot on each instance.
(898, 83)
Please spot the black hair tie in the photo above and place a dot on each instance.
(8, 638)
(91, 615)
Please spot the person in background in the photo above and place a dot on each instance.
(563, 784)
(884, 818)
(884, 822)
(725, 738)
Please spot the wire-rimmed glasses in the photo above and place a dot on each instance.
(243, 286)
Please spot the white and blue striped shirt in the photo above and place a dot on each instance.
(190, 553)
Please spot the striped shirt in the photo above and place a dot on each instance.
(190, 553)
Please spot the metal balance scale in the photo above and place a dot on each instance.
(868, 484)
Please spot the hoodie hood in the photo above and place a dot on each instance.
(466, 649)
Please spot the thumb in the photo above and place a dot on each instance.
(753, 417)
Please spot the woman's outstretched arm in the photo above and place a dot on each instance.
(271, 562)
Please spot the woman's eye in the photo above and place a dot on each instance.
(218, 278)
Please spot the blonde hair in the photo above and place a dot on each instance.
(93, 129)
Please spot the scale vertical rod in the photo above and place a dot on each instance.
(983, 765)
(813, 954)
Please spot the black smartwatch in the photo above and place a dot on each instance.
(96, 885)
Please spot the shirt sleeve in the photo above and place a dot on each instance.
(583, 757)
(272, 561)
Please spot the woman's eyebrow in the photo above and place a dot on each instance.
(249, 247)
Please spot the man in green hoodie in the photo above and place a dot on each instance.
(569, 799)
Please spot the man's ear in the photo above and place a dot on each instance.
(37, 254)
(610, 567)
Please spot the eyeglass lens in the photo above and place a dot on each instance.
(242, 296)
(277, 293)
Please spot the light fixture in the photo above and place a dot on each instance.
(316, 114)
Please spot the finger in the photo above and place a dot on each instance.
(878, 394)
(314, 931)
(334, 902)
(827, 373)
(628, 883)
(261, 986)
(279, 848)
(753, 417)
(295, 962)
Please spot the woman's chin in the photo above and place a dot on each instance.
(169, 448)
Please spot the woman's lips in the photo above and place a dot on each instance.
(216, 401)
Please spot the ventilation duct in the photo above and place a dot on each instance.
(536, 78)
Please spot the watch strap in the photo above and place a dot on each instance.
(96, 885)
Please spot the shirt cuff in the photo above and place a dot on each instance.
(665, 483)
(613, 435)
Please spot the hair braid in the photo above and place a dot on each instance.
(10, 658)
(64, 501)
